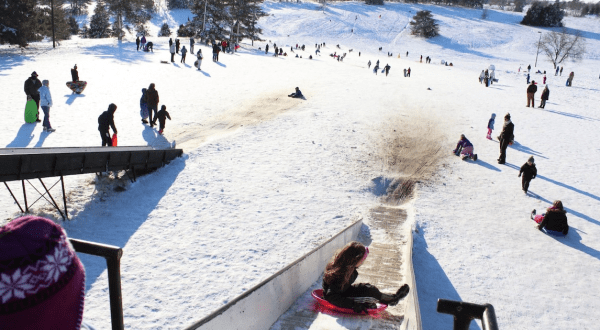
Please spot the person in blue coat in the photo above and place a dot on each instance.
(296, 94)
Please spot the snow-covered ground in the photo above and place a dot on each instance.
(265, 178)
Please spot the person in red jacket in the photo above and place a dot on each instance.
(340, 274)
(152, 99)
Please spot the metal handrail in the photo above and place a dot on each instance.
(464, 313)
(113, 255)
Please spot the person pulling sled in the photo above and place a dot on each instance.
(464, 147)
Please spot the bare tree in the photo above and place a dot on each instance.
(559, 46)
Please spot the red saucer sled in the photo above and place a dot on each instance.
(318, 295)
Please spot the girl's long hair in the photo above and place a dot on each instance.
(557, 206)
(342, 265)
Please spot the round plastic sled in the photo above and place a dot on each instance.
(318, 295)
(77, 86)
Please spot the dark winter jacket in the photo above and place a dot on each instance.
(106, 119)
(545, 94)
(532, 88)
(32, 84)
(143, 101)
(152, 97)
(507, 131)
(334, 292)
(74, 75)
(491, 122)
(528, 171)
(463, 143)
(162, 115)
(555, 220)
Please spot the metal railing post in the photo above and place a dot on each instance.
(464, 313)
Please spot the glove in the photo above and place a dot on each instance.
(359, 308)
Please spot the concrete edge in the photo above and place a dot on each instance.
(261, 306)
(413, 313)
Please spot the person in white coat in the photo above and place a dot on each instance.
(199, 56)
(482, 76)
(46, 103)
(172, 52)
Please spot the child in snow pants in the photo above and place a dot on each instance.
(490, 126)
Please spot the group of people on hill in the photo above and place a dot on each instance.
(39, 91)
(145, 46)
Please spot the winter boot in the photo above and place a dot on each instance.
(392, 300)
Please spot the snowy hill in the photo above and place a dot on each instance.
(266, 178)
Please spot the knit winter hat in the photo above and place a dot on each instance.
(531, 160)
(34, 74)
(42, 282)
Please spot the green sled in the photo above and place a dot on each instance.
(30, 111)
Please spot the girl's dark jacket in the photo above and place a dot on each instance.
(529, 171)
(334, 293)
(555, 220)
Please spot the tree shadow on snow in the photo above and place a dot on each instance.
(572, 115)
(124, 52)
(24, 136)
(113, 217)
(432, 284)
(11, 59)
(72, 97)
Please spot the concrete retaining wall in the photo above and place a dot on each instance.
(261, 306)
(412, 316)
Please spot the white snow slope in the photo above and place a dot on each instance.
(265, 178)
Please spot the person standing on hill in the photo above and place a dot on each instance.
(170, 42)
(570, 79)
(216, 51)
(143, 41)
(172, 53)
(545, 96)
(192, 42)
(105, 121)
(490, 126)
(387, 69)
(481, 76)
(369, 64)
(46, 103)
(531, 89)
(75, 74)
(162, 116)
(267, 49)
(528, 78)
(556, 73)
(505, 138)
(177, 45)
(137, 43)
(152, 99)
(561, 68)
(32, 85)
(408, 72)
(183, 52)
(529, 68)
(199, 57)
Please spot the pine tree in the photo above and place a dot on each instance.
(133, 11)
(17, 26)
(78, 7)
(73, 25)
(245, 15)
(44, 20)
(165, 31)
(216, 25)
(424, 25)
(99, 23)
(541, 14)
(178, 4)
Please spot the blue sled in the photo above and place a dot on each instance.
(553, 233)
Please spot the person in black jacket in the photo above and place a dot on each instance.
(340, 274)
(505, 137)
(75, 74)
(529, 171)
(545, 96)
(162, 116)
(554, 219)
(32, 84)
(105, 121)
(531, 89)
(296, 94)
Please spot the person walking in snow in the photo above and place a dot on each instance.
(556, 73)
(152, 99)
(105, 121)
(529, 68)
(376, 68)
(172, 53)
(561, 68)
(183, 53)
(177, 45)
(144, 106)
(529, 172)
(545, 96)
(216, 51)
(486, 78)
(544, 79)
(143, 41)
(137, 43)
(531, 89)
(32, 85)
(170, 42)
(192, 42)
(340, 274)
(528, 77)
(506, 137)
(404, 72)
(162, 116)
(199, 57)
(481, 76)
(554, 219)
(570, 79)
(490, 126)
(387, 69)
(369, 64)
(267, 49)
(46, 104)
(408, 72)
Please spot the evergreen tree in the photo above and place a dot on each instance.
(185, 30)
(424, 25)
(178, 4)
(133, 11)
(164, 30)
(216, 24)
(99, 23)
(78, 7)
(142, 30)
(17, 23)
(62, 30)
(540, 14)
(245, 15)
(73, 25)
